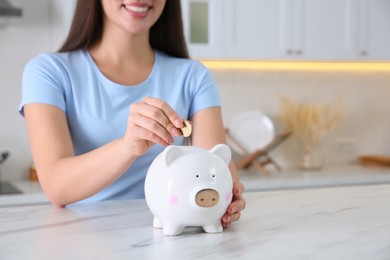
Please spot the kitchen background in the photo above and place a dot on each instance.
(294, 34)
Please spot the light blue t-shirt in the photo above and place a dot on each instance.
(97, 108)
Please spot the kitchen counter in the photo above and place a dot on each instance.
(32, 194)
(330, 176)
(329, 223)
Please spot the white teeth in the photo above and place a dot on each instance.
(137, 9)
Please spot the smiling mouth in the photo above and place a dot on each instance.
(137, 9)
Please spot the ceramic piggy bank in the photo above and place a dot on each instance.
(189, 186)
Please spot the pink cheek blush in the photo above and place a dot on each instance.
(228, 197)
(174, 200)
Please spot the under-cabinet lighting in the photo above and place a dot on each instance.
(298, 65)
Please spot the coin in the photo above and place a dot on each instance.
(186, 129)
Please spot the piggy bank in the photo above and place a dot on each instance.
(189, 186)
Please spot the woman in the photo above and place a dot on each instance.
(101, 109)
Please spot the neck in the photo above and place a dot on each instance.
(123, 49)
(124, 58)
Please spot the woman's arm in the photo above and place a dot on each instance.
(67, 178)
(64, 177)
(208, 130)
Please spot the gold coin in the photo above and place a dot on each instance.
(186, 129)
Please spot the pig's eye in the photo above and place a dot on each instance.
(213, 175)
(197, 176)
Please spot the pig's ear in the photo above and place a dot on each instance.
(171, 153)
(222, 151)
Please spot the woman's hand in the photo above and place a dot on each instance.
(151, 121)
(233, 212)
(208, 130)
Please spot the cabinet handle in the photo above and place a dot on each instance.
(364, 53)
(298, 52)
(289, 51)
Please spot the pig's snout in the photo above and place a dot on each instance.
(207, 198)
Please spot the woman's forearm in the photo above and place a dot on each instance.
(64, 177)
(71, 179)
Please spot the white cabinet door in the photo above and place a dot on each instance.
(256, 29)
(203, 26)
(324, 30)
(374, 30)
(289, 29)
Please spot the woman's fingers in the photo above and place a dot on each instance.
(153, 120)
(148, 121)
(158, 116)
(170, 114)
(238, 202)
(238, 188)
(233, 212)
(237, 205)
(144, 129)
(229, 218)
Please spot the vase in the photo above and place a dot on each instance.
(311, 158)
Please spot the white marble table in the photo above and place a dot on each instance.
(330, 176)
(328, 223)
(337, 175)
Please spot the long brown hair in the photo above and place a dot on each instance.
(166, 34)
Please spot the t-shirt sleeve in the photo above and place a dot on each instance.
(42, 83)
(205, 90)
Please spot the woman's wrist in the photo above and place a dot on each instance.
(125, 150)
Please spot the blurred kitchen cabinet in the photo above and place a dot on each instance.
(373, 30)
(255, 29)
(323, 30)
(288, 29)
(203, 26)
(345, 30)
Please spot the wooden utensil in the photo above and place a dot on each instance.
(374, 160)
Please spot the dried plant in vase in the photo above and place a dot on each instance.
(310, 123)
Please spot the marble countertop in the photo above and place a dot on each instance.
(328, 223)
(32, 194)
(329, 176)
